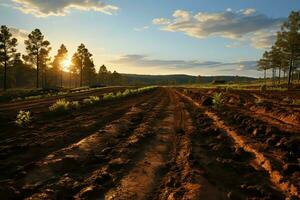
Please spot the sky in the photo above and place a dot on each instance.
(195, 37)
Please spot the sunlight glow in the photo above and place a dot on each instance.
(66, 64)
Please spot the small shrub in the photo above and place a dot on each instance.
(108, 96)
(94, 99)
(60, 106)
(87, 101)
(218, 99)
(127, 92)
(119, 95)
(23, 118)
(91, 100)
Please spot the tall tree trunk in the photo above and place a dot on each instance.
(265, 76)
(56, 74)
(290, 71)
(5, 76)
(61, 78)
(273, 77)
(70, 79)
(45, 71)
(81, 66)
(37, 70)
(279, 75)
(43, 77)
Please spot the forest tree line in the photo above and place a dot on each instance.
(283, 59)
(37, 69)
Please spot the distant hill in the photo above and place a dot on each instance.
(180, 79)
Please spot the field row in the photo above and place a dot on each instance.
(164, 144)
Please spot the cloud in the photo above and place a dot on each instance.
(145, 61)
(233, 45)
(227, 24)
(161, 21)
(249, 11)
(20, 34)
(263, 39)
(45, 8)
(141, 28)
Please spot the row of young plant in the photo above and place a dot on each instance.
(41, 96)
(62, 106)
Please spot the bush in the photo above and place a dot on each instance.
(60, 106)
(94, 99)
(119, 95)
(91, 100)
(108, 96)
(23, 118)
(218, 99)
(87, 101)
(127, 92)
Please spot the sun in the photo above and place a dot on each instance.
(66, 64)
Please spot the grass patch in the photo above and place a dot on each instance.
(91, 100)
(218, 99)
(23, 118)
(60, 106)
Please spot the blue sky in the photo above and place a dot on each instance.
(206, 37)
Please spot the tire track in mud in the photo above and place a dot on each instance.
(78, 161)
(182, 179)
(17, 157)
(148, 162)
(260, 161)
(156, 158)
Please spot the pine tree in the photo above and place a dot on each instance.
(84, 57)
(35, 46)
(290, 41)
(75, 68)
(57, 64)
(7, 50)
(264, 64)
